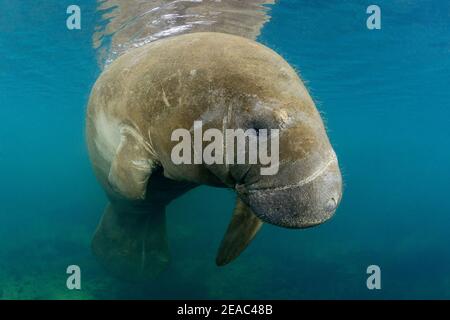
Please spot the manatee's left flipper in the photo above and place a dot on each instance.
(132, 164)
(242, 229)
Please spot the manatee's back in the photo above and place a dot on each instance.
(102, 121)
(172, 82)
(128, 25)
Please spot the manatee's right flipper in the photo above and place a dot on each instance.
(242, 229)
(132, 165)
(132, 245)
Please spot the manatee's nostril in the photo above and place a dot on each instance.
(331, 205)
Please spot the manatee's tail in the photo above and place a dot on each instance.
(132, 245)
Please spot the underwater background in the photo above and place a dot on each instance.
(384, 95)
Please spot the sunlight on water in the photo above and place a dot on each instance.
(128, 24)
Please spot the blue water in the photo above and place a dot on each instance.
(384, 95)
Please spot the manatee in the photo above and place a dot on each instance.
(225, 81)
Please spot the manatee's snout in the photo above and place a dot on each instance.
(311, 201)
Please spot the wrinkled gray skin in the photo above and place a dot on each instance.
(227, 82)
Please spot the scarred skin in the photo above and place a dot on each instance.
(227, 82)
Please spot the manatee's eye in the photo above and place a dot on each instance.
(259, 124)
(255, 129)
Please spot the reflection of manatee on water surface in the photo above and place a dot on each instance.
(133, 23)
(223, 80)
